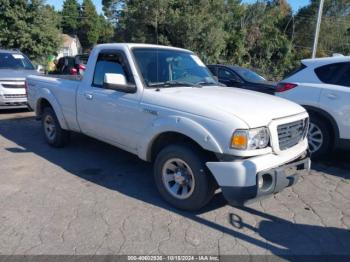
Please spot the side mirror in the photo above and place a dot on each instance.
(118, 82)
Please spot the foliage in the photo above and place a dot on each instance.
(334, 27)
(70, 16)
(188, 24)
(89, 25)
(106, 30)
(265, 35)
(83, 20)
(29, 26)
(269, 50)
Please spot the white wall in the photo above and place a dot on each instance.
(72, 50)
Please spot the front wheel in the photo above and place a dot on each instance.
(182, 178)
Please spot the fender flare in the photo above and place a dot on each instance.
(46, 94)
(181, 125)
(328, 116)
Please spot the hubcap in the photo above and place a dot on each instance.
(315, 138)
(49, 127)
(178, 178)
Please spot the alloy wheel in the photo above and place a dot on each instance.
(49, 127)
(315, 138)
(178, 178)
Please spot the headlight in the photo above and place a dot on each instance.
(250, 139)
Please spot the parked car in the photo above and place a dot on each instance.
(163, 105)
(71, 65)
(14, 67)
(322, 86)
(81, 62)
(241, 77)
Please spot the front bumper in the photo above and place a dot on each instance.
(240, 181)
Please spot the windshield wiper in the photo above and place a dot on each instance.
(173, 83)
(203, 83)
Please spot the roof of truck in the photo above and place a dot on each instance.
(131, 45)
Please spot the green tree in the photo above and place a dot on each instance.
(195, 25)
(334, 34)
(235, 50)
(106, 31)
(29, 26)
(269, 47)
(189, 24)
(265, 36)
(70, 16)
(89, 25)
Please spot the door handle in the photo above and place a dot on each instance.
(332, 96)
(88, 96)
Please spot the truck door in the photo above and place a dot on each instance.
(108, 114)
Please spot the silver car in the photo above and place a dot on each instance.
(14, 67)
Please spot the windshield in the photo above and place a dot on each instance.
(249, 75)
(165, 67)
(15, 61)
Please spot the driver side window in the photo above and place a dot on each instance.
(227, 75)
(110, 63)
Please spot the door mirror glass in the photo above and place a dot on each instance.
(114, 79)
(118, 82)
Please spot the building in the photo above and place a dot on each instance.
(71, 46)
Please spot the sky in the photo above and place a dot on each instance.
(296, 4)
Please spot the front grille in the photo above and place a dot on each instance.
(15, 96)
(291, 134)
(14, 85)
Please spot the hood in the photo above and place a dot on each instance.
(15, 74)
(220, 103)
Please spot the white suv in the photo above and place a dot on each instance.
(322, 86)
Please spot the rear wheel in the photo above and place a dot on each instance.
(54, 134)
(319, 137)
(182, 177)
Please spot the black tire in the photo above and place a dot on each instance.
(325, 130)
(60, 136)
(204, 184)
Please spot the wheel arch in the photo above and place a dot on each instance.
(171, 137)
(168, 130)
(49, 101)
(328, 117)
(40, 106)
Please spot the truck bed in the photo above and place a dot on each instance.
(67, 77)
(59, 88)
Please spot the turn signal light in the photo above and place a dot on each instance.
(239, 140)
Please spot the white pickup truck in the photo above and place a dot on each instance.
(162, 104)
